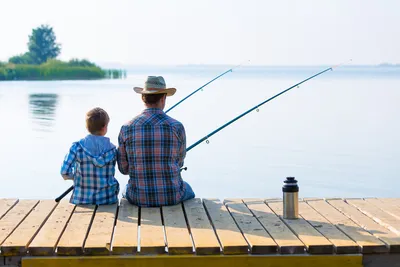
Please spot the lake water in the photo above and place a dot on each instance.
(338, 134)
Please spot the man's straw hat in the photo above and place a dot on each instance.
(155, 85)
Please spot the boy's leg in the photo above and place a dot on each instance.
(189, 194)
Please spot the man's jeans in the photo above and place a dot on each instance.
(189, 194)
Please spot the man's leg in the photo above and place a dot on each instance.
(124, 191)
(125, 194)
(189, 194)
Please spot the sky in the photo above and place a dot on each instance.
(179, 32)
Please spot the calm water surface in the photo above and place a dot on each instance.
(338, 134)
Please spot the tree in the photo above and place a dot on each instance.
(42, 44)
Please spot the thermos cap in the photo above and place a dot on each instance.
(290, 180)
(290, 185)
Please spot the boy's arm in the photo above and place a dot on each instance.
(122, 157)
(68, 168)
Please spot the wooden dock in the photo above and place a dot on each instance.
(208, 232)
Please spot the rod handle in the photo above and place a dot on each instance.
(64, 194)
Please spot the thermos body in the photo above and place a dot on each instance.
(290, 205)
(290, 191)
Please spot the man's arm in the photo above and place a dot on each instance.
(68, 166)
(122, 157)
(182, 148)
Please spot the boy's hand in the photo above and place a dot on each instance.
(66, 177)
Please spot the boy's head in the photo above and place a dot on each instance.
(97, 120)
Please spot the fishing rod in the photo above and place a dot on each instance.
(195, 91)
(64, 194)
(205, 138)
(204, 85)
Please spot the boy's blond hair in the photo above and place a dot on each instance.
(96, 119)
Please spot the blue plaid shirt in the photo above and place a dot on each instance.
(151, 150)
(91, 164)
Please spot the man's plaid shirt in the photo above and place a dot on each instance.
(151, 150)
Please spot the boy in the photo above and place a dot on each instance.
(91, 164)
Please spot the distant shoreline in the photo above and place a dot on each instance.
(228, 66)
(56, 71)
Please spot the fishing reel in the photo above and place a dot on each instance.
(183, 169)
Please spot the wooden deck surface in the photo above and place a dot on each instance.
(202, 227)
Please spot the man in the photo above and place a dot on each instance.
(152, 148)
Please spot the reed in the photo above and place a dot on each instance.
(57, 70)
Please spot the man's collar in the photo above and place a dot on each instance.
(153, 110)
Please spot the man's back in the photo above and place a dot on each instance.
(152, 148)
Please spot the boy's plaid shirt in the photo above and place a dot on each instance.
(94, 181)
(151, 150)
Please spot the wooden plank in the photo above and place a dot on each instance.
(342, 243)
(378, 215)
(151, 231)
(391, 201)
(14, 217)
(367, 242)
(126, 229)
(312, 198)
(390, 208)
(315, 242)
(98, 241)
(260, 242)
(73, 238)
(287, 242)
(17, 243)
(204, 239)
(46, 240)
(176, 230)
(229, 235)
(390, 238)
(6, 205)
(198, 261)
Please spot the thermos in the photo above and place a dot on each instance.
(290, 191)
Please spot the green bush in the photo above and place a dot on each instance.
(22, 59)
(2, 74)
(49, 72)
(54, 69)
(80, 63)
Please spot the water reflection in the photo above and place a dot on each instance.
(42, 108)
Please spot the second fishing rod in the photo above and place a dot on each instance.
(205, 138)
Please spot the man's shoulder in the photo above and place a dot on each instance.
(173, 122)
(135, 120)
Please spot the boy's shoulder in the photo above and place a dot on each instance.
(75, 146)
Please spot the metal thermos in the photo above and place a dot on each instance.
(290, 191)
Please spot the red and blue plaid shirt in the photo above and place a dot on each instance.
(151, 150)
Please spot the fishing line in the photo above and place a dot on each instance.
(206, 138)
(204, 85)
